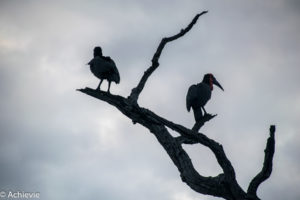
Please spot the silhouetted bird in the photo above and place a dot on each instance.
(104, 68)
(198, 95)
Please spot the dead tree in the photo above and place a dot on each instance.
(223, 185)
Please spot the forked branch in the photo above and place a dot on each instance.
(224, 185)
(138, 89)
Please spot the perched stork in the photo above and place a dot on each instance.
(104, 68)
(199, 94)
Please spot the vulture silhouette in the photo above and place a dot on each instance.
(198, 95)
(104, 68)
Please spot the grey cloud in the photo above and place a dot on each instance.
(69, 146)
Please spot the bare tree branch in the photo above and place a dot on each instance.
(225, 184)
(201, 122)
(266, 171)
(156, 125)
(137, 90)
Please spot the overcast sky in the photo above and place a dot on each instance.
(67, 145)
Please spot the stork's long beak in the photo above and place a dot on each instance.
(217, 84)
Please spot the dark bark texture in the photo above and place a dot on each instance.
(225, 184)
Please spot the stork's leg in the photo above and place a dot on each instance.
(197, 114)
(98, 88)
(108, 86)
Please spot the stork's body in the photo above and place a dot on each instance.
(198, 95)
(104, 68)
